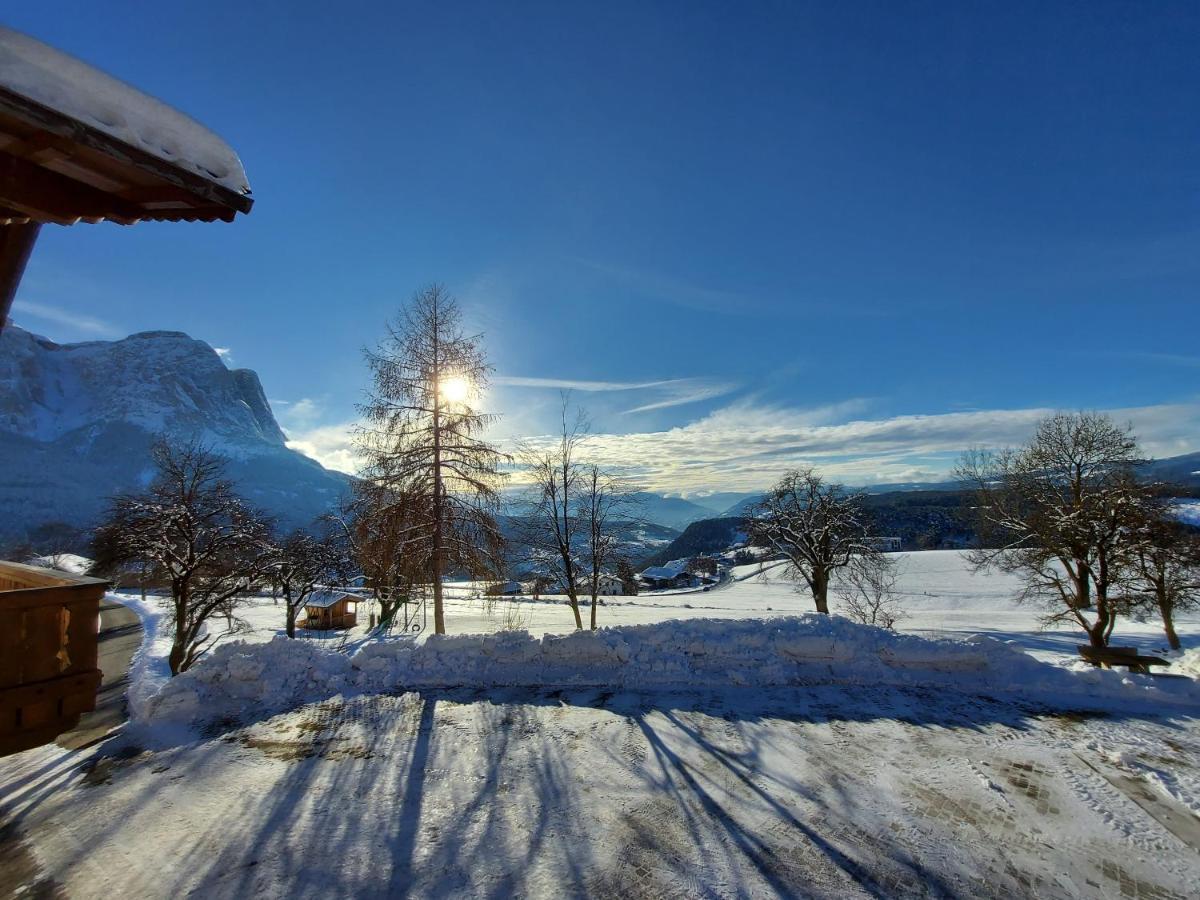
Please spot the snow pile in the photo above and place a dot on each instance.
(1188, 511)
(238, 678)
(1187, 663)
(242, 679)
(71, 563)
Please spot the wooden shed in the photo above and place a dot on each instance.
(330, 609)
(77, 145)
(49, 621)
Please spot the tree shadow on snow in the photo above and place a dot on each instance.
(515, 791)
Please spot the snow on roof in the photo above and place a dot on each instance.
(82, 92)
(326, 599)
(660, 572)
(71, 563)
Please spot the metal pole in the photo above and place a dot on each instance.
(16, 243)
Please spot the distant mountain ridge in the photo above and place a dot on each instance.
(77, 422)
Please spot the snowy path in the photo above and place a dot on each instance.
(815, 791)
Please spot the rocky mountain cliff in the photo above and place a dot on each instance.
(77, 422)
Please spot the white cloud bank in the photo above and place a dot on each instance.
(746, 446)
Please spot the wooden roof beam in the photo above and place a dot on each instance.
(46, 196)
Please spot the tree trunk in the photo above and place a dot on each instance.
(175, 660)
(820, 588)
(291, 612)
(1168, 619)
(178, 653)
(1098, 633)
(574, 595)
(439, 620)
(439, 512)
(1083, 584)
(595, 603)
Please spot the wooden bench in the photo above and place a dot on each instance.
(1128, 657)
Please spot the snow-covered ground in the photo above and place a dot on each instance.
(826, 791)
(937, 588)
(743, 755)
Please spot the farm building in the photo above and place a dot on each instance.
(668, 576)
(330, 609)
(611, 586)
(504, 589)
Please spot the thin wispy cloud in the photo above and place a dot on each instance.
(69, 318)
(571, 384)
(1180, 360)
(225, 353)
(685, 391)
(663, 394)
(675, 291)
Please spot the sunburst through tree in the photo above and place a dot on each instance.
(423, 436)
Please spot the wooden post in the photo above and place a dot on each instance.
(16, 243)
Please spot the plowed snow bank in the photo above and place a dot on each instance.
(240, 679)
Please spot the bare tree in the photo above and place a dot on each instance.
(817, 528)
(552, 529)
(422, 436)
(1164, 568)
(1060, 513)
(386, 531)
(628, 576)
(868, 590)
(300, 564)
(605, 503)
(191, 530)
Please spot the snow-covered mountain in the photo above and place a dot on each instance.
(77, 421)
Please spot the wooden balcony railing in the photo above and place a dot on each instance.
(48, 676)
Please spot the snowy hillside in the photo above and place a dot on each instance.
(77, 420)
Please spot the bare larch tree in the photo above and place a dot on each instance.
(818, 528)
(190, 529)
(1061, 513)
(422, 436)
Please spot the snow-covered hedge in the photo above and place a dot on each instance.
(240, 679)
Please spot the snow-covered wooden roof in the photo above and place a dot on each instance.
(326, 599)
(77, 144)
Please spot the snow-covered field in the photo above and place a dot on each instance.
(743, 755)
(937, 588)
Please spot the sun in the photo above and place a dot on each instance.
(455, 389)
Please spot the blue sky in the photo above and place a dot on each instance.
(863, 235)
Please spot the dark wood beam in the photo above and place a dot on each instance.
(16, 243)
(75, 132)
(50, 197)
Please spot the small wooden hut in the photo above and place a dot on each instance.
(324, 610)
(48, 676)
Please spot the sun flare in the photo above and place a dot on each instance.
(455, 389)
